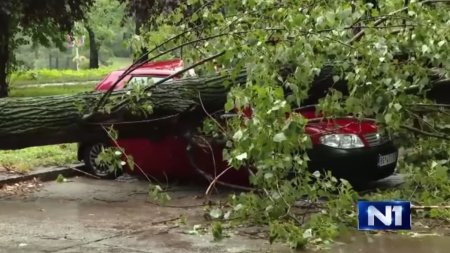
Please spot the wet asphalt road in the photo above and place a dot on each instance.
(86, 215)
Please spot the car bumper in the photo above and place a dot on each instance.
(359, 164)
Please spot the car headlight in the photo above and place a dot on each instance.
(342, 141)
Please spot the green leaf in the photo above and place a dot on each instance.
(130, 162)
(238, 135)
(279, 137)
(215, 213)
(61, 179)
(242, 156)
(217, 231)
(388, 118)
(307, 234)
(268, 175)
(397, 106)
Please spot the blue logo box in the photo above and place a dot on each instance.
(384, 215)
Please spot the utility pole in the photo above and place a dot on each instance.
(76, 42)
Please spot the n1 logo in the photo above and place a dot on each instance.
(384, 215)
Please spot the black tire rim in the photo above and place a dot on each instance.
(101, 170)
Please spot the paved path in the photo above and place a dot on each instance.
(22, 86)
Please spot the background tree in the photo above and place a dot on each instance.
(145, 14)
(25, 21)
(103, 23)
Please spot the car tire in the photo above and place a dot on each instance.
(90, 153)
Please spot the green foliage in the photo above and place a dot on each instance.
(290, 232)
(27, 159)
(61, 179)
(114, 157)
(134, 98)
(157, 193)
(26, 22)
(283, 46)
(111, 157)
(106, 27)
(217, 231)
(427, 185)
(105, 18)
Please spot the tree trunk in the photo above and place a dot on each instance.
(176, 107)
(140, 17)
(50, 65)
(4, 53)
(48, 120)
(93, 49)
(57, 60)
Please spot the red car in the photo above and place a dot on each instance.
(350, 148)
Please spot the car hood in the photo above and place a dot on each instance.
(342, 125)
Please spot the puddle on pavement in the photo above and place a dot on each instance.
(387, 243)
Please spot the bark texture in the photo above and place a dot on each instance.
(48, 120)
(177, 106)
(93, 49)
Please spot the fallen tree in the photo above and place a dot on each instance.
(175, 106)
(48, 120)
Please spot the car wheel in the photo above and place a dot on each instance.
(90, 154)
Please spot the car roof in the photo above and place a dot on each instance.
(165, 67)
(156, 68)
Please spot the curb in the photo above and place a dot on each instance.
(43, 174)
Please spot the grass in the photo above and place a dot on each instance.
(50, 90)
(26, 159)
(120, 62)
(39, 76)
(58, 76)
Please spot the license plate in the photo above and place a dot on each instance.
(384, 160)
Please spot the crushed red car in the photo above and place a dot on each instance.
(350, 148)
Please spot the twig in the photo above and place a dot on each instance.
(430, 105)
(136, 121)
(213, 182)
(209, 115)
(415, 189)
(84, 172)
(135, 66)
(233, 186)
(110, 200)
(175, 206)
(209, 177)
(385, 18)
(429, 207)
(118, 106)
(212, 155)
(421, 121)
(138, 63)
(416, 130)
(166, 220)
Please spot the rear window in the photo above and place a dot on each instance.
(144, 80)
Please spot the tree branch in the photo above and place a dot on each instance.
(121, 104)
(385, 18)
(419, 131)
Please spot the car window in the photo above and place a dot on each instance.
(144, 80)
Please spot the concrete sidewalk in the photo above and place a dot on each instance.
(43, 174)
